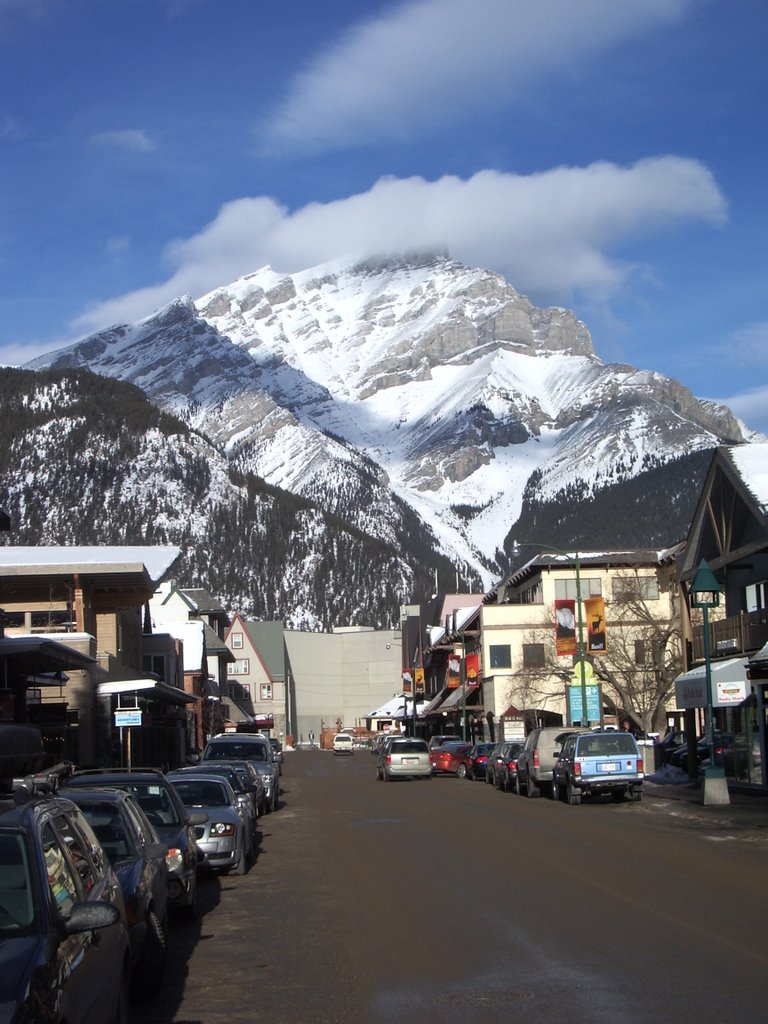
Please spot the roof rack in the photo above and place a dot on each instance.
(45, 783)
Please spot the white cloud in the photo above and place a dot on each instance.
(426, 62)
(131, 139)
(747, 346)
(751, 407)
(550, 234)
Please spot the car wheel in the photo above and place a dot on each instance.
(531, 789)
(636, 795)
(461, 771)
(555, 794)
(150, 967)
(573, 794)
(517, 786)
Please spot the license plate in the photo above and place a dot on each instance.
(410, 760)
(608, 766)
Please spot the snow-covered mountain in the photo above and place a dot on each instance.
(407, 379)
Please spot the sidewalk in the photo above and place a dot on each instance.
(747, 808)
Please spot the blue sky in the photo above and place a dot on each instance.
(602, 155)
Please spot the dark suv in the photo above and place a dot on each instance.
(64, 946)
(173, 823)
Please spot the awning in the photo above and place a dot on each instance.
(729, 685)
(758, 664)
(151, 689)
(459, 695)
(31, 655)
(435, 703)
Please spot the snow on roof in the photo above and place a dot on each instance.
(396, 707)
(751, 462)
(156, 560)
(191, 635)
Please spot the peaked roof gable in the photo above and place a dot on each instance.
(730, 521)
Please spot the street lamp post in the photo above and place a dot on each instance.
(704, 593)
(574, 560)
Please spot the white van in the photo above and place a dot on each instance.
(343, 743)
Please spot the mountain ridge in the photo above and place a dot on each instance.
(405, 380)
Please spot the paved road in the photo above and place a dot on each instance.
(448, 900)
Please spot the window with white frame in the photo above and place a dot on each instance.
(237, 641)
(241, 667)
(565, 589)
(265, 691)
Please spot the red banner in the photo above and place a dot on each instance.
(472, 669)
(565, 627)
(595, 611)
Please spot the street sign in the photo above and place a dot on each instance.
(575, 703)
(132, 716)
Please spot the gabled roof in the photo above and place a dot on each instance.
(731, 517)
(215, 646)
(204, 603)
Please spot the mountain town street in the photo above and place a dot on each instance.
(425, 899)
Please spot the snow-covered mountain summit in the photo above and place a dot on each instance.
(404, 379)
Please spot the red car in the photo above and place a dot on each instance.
(451, 759)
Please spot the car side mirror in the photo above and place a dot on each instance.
(87, 916)
(155, 851)
(197, 818)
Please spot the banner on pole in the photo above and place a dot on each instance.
(565, 627)
(595, 611)
(472, 669)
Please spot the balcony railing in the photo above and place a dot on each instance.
(738, 634)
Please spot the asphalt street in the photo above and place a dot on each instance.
(447, 899)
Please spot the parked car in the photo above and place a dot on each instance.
(495, 760)
(403, 758)
(451, 759)
(172, 822)
(222, 842)
(343, 743)
(505, 768)
(64, 944)
(537, 758)
(598, 763)
(249, 777)
(277, 752)
(437, 741)
(138, 858)
(723, 751)
(665, 748)
(478, 760)
(251, 747)
(243, 797)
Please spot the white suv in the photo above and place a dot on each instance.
(343, 743)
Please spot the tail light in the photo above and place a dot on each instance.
(577, 768)
(388, 759)
(640, 764)
(536, 757)
(512, 765)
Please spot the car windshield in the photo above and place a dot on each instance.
(201, 793)
(242, 750)
(17, 912)
(109, 827)
(154, 799)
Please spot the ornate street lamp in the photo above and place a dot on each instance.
(704, 592)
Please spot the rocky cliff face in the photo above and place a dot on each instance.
(404, 380)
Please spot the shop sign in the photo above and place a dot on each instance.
(128, 717)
